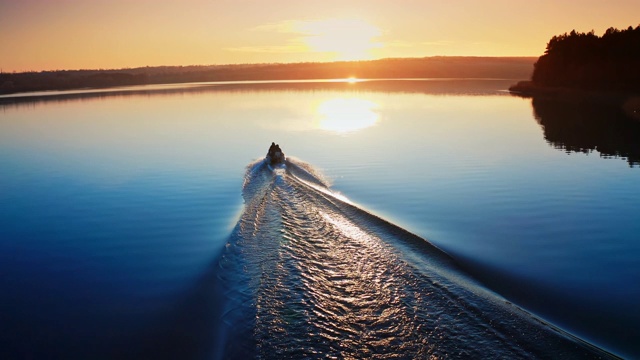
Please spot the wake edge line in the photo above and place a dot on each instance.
(449, 262)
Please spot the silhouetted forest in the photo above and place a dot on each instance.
(584, 93)
(610, 62)
(430, 67)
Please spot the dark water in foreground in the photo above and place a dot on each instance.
(123, 231)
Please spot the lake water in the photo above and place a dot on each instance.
(136, 222)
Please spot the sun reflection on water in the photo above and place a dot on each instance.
(346, 114)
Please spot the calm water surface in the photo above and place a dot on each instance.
(129, 226)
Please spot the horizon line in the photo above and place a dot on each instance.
(272, 63)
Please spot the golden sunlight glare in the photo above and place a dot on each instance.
(346, 114)
(345, 39)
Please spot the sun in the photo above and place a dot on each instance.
(344, 39)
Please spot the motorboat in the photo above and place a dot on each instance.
(275, 155)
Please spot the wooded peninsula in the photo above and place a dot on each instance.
(587, 62)
(429, 67)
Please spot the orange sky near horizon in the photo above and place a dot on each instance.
(92, 34)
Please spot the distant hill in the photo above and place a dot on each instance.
(585, 61)
(429, 67)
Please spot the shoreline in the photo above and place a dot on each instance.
(426, 67)
(527, 88)
(628, 101)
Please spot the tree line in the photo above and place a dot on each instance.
(591, 62)
(428, 67)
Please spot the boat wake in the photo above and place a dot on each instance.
(306, 274)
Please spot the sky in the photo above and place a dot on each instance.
(40, 35)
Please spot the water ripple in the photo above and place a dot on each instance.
(311, 275)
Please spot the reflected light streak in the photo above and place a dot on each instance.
(347, 228)
(345, 115)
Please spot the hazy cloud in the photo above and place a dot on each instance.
(276, 49)
(346, 39)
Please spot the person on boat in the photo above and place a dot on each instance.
(275, 154)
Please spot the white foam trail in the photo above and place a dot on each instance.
(309, 274)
